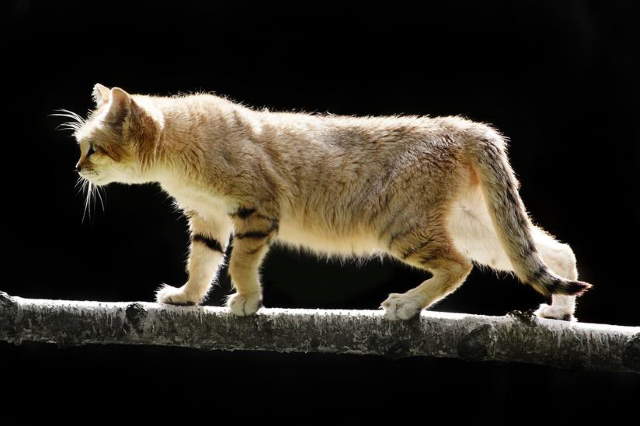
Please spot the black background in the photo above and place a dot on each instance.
(557, 77)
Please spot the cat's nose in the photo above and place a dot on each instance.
(78, 168)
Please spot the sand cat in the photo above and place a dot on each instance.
(436, 193)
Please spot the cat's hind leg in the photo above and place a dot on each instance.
(434, 253)
(562, 261)
(474, 235)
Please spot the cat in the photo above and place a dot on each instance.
(436, 193)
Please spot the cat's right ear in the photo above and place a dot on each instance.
(100, 94)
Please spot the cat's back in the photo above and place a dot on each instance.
(366, 132)
(314, 129)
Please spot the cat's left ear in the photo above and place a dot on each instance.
(100, 94)
(119, 106)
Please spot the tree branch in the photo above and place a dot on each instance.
(517, 337)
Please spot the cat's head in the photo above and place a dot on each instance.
(118, 139)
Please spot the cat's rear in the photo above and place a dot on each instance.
(435, 193)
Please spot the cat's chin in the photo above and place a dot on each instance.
(105, 182)
(97, 181)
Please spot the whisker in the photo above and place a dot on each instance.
(78, 185)
(75, 122)
(84, 193)
(93, 197)
(100, 197)
(87, 210)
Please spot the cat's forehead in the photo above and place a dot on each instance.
(92, 125)
(87, 131)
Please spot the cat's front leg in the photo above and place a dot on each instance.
(253, 231)
(209, 240)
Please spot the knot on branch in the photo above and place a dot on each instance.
(398, 350)
(525, 317)
(478, 344)
(135, 315)
(5, 299)
(631, 356)
(8, 317)
(8, 306)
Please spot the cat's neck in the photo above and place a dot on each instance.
(190, 142)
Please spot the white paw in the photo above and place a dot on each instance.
(244, 304)
(555, 312)
(175, 296)
(401, 307)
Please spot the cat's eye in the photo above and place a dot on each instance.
(91, 150)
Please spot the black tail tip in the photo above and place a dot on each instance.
(576, 288)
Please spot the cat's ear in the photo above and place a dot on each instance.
(119, 106)
(100, 95)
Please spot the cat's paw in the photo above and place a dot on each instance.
(555, 312)
(401, 307)
(175, 296)
(244, 304)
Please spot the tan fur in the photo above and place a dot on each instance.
(436, 193)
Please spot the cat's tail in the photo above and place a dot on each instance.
(510, 219)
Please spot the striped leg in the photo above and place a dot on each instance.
(253, 231)
(209, 239)
(429, 250)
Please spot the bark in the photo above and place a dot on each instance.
(516, 337)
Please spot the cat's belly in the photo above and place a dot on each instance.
(355, 244)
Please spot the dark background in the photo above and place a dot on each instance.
(557, 77)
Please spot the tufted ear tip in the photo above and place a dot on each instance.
(100, 94)
(118, 93)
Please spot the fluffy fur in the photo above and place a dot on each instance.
(436, 193)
